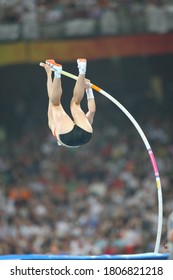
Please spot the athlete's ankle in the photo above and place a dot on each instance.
(58, 72)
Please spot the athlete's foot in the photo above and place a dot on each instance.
(57, 68)
(82, 64)
(53, 65)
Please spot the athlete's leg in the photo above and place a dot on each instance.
(79, 116)
(49, 78)
(56, 89)
(49, 92)
(57, 117)
(78, 92)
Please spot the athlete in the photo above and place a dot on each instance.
(67, 131)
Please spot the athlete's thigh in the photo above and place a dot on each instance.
(62, 122)
(80, 118)
(50, 116)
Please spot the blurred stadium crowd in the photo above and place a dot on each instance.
(43, 19)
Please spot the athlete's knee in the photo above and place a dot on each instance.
(75, 102)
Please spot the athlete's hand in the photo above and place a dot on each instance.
(87, 83)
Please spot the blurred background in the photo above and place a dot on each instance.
(101, 198)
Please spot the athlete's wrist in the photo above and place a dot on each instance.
(89, 93)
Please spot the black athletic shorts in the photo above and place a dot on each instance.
(76, 137)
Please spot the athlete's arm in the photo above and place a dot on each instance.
(91, 102)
